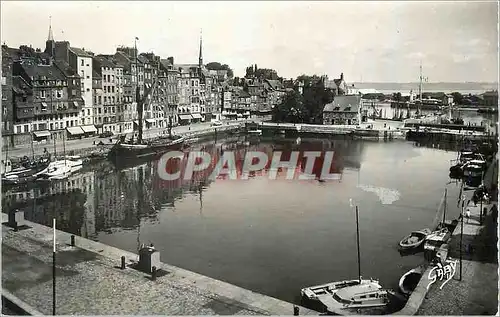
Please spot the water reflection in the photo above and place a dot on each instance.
(101, 199)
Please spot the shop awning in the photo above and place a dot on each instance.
(89, 128)
(136, 122)
(185, 117)
(41, 134)
(197, 116)
(75, 130)
(239, 115)
(44, 105)
(150, 120)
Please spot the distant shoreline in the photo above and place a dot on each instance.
(463, 88)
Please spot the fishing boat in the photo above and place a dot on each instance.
(414, 239)
(437, 238)
(409, 281)
(131, 153)
(474, 168)
(25, 173)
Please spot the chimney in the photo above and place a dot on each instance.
(170, 59)
(341, 76)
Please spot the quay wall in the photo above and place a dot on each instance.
(258, 303)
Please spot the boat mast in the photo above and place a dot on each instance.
(357, 241)
(138, 98)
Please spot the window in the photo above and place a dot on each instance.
(4, 80)
(18, 129)
(43, 94)
(58, 94)
(82, 63)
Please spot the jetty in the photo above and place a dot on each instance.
(90, 281)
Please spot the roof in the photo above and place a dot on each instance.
(491, 93)
(142, 59)
(244, 94)
(20, 86)
(37, 71)
(275, 84)
(79, 52)
(349, 103)
(66, 68)
(105, 62)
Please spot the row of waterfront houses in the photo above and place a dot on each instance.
(70, 92)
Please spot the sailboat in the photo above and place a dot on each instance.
(126, 154)
(350, 295)
(24, 173)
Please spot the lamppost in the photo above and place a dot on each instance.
(461, 234)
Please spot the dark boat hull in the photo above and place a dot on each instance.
(25, 177)
(123, 157)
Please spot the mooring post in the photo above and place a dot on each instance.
(123, 263)
(295, 310)
(72, 240)
(153, 273)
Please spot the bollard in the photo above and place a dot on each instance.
(153, 273)
(123, 263)
(72, 240)
(295, 310)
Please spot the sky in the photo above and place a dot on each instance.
(367, 41)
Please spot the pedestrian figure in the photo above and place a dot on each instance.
(467, 215)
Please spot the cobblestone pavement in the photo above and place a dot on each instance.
(477, 292)
(89, 283)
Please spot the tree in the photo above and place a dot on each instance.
(305, 108)
(219, 66)
(315, 98)
(457, 98)
(290, 110)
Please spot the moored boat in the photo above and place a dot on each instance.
(367, 298)
(126, 154)
(437, 238)
(314, 292)
(414, 239)
(60, 169)
(24, 174)
(408, 282)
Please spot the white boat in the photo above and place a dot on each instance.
(339, 297)
(60, 169)
(314, 292)
(362, 297)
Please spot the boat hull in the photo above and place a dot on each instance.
(123, 156)
(410, 279)
(414, 240)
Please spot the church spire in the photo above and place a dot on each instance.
(51, 36)
(200, 58)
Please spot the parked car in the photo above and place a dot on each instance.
(106, 134)
(216, 123)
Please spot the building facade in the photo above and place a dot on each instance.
(343, 110)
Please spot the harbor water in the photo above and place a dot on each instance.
(270, 236)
